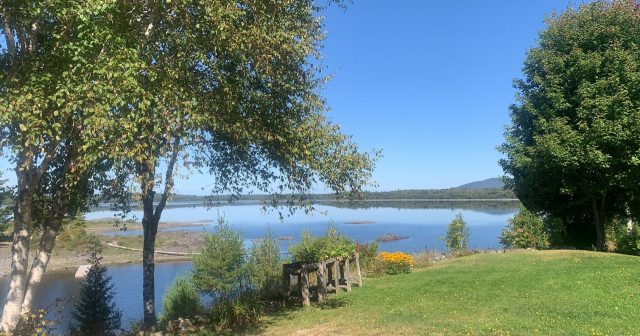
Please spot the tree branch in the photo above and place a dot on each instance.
(11, 43)
(169, 180)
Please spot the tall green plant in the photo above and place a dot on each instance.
(220, 269)
(266, 266)
(180, 301)
(457, 237)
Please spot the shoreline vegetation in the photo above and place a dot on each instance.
(428, 195)
(107, 230)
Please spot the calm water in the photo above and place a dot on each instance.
(424, 227)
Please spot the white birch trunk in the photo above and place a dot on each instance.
(18, 282)
(39, 266)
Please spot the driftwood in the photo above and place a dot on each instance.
(330, 276)
(157, 251)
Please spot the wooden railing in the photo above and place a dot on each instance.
(330, 275)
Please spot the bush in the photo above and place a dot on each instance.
(34, 324)
(220, 269)
(314, 249)
(395, 263)
(457, 234)
(526, 230)
(243, 309)
(266, 267)
(95, 313)
(74, 236)
(180, 300)
(623, 238)
(368, 254)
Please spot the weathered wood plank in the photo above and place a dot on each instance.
(357, 260)
(322, 283)
(347, 274)
(305, 287)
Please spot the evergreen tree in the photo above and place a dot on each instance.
(95, 312)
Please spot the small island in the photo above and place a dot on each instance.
(390, 237)
(361, 222)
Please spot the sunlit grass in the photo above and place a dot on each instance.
(519, 293)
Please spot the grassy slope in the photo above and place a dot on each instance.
(520, 293)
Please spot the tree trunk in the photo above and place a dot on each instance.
(150, 227)
(150, 220)
(598, 214)
(45, 247)
(19, 258)
(40, 262)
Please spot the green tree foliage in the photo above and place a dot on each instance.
(63, 90)
(5, 208)
(220, 268)
(95, 313)
(529, 230)
(572, 147)
(457, 238)
(180, 301)
(266, 266)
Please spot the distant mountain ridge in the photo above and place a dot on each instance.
(491, 183)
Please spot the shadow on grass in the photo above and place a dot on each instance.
(275, 316)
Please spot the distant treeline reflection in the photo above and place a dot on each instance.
(488, 206)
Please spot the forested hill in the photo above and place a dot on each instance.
(492, 183)
(416, 194)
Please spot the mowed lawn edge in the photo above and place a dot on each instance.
(559, 292)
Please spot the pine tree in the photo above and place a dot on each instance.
(95, 312)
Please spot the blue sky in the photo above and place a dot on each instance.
(427, 82)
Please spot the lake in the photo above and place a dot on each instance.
(423, 222)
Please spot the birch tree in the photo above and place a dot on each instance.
(234, 92)
(62, 85)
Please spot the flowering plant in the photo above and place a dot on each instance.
(395, 262)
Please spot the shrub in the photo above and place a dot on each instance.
(220, 269)
(243, 309)
(74, 236)
(35, 324)
(266, 267)
(368, 254)
(314, 249)
(180, 300)
(457, 234)
(526, 230)
(623, 238)
(395, 263)
(95, 313)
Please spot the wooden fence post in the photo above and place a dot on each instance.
(322, 282)
(336, 275)
(358, 270)
(286, 285)
(347, 274)
(304, 275)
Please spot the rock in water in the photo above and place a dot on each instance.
(82, 271)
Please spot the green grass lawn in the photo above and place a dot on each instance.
(519, 293)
